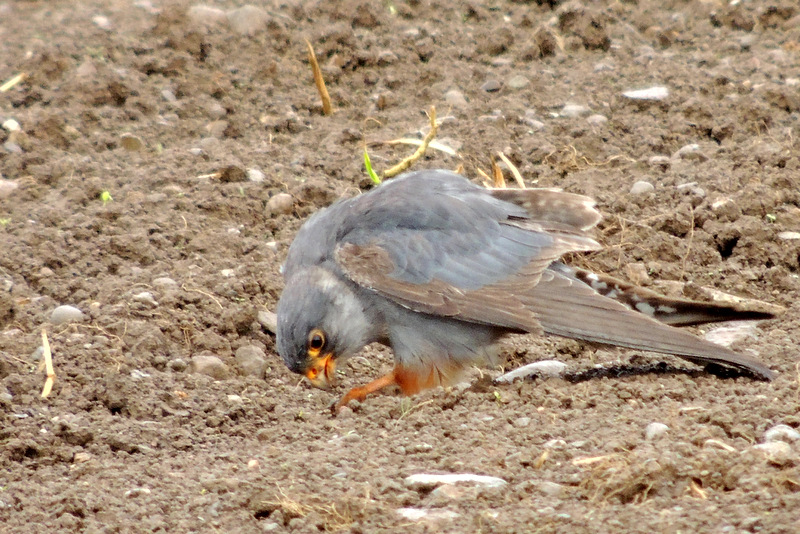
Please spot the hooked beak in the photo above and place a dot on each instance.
(322, 372)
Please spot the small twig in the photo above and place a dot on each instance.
(513, 169)
(48, 365)
(407, 162)
(327, 107)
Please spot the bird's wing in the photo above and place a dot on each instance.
(437, 244)
(568, 307)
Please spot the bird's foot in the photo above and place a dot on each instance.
(360, 393)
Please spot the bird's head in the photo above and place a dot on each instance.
(320, 321)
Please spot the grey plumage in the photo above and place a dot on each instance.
(441, 269)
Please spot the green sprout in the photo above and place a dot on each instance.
(368, 165)
(4, 222)
(771, 218)
(106, 197)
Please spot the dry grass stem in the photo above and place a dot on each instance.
(12, 82)
(498, 180)
(48, 365)
(407, 162)
(698, 491)
(209, 295)
(418, 142)
(487, 180)
(327, 107)
(593, 459)
(513, 169)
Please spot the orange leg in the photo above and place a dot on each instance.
(361, 392)
(411, 381)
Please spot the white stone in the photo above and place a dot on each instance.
(732, 332)
(7, 187)
(165, 282)
(11, 125)
(651, 93)
(455, 98)
(781, 433)
(427, 481)
(145, 297)
(418, 514)
(546, 368)
(787, 236)
(268, 320)
(574, 110)
(778, 452)
(66, 314)
(691, 152)
(642, 188)
(655, 430)
(206, 15)
(255, 175)
(247, 20)
(597, 119)
(280, 204)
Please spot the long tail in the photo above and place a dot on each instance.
(571, 304)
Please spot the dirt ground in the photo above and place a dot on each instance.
(136, 187)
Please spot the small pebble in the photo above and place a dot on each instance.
(268, 320)
(574, 110)
(66, 314)
(690, 152)
(102, 22)
(255, 175)
(138, 374)
(522, 422)
(777, 452)
(651, 93)
(165, 283)
(178, 365)
(247, 20)
(781, 433)
(786, 236)
(655, 430)
(551, 489)
(491, 86)
(145, 297)
(597, 119)
(732, 332)
(251, 360)
(7, 187)
(136, 492)
(455, 98)
(518, 82)
(418, 514)
(131, 142)
(642, 188)
(11, 125)
(210, 365)
(428, 481)
(280, 204)
(206, 15)
(659, 162)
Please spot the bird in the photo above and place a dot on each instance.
(441, 270)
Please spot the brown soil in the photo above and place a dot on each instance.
(131, 440)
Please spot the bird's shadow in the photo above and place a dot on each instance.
(658, 368)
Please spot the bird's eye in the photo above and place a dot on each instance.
(316, 340)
